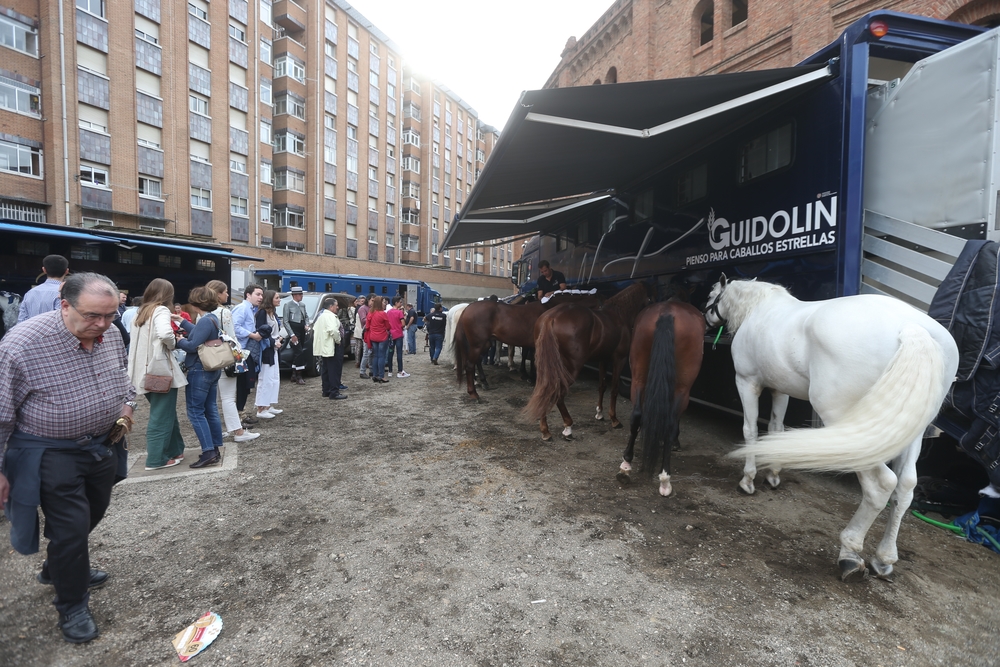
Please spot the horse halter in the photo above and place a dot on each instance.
(714, 307)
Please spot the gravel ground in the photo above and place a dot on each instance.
(409, 526)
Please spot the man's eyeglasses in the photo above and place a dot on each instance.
(93, 317)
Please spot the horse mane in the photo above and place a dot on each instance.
(742, 296)
(626, 304)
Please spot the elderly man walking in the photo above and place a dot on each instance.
(63, 388)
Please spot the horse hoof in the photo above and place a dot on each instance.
(850, 566)
(568, 438)
(623, 477)
(599, 417)
(747, 487)
(665, 488)
(881, 570)
(616, 424)
(774, 481)
(546, 438)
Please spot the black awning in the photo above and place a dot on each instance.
(564, 142)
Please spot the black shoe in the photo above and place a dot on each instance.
(249, 421)
(97, 577)
(78, 627)
(338, 397)
(209, 458)
(342, 387)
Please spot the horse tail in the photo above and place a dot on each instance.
(659, 404)
(449, 328)
(553, 379)
(879, 427)
(460, 350)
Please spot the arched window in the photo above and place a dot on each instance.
(611, 76)
(739, 11)
(597, 82)
(707, 23)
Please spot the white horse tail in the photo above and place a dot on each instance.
(894, 412)
(454, 313)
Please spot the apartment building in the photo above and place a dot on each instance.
(270, 127)
(639, 40)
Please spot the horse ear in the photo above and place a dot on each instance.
(722, 280)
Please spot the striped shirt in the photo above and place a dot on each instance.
(53, 388)
(40, 299)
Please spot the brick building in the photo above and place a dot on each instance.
(241, 123)
(638, 40)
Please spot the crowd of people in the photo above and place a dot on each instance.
(64, 443)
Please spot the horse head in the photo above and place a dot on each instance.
(713, 316)
(731, 301)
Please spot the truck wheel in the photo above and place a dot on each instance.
(316, 368)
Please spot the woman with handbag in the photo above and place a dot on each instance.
(227, 381)
(155, 372)
(203, 385)
(268, 380)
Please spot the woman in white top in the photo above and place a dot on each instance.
(150, 352)
(227, 385)
(268, 380)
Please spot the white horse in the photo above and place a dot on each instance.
(454, 313)
(874, 369)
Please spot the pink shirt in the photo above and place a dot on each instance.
(396, 317)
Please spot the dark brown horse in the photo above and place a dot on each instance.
(668, 343)
(570, 335)
(483, 321)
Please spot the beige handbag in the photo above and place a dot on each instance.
(158, 377)
(216, 354)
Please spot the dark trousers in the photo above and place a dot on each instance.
(397, 345)
(243, 385)
(298, 349)
(75, 492)
(436, 341)
(333, 369)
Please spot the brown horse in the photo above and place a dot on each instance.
(668, 343)
(482, 321)
(570, 335)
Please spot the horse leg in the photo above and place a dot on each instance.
(877, 485)
(779, 405)
(905, 468)
(482, 373)
(543, 426)
(567, 432)
(671, 442)
(470, 382)
(603, 371)
(634, 424)
(749, 396)
(616, 376)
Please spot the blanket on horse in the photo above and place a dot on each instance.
(968, 304)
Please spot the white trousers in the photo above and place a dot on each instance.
(227, 394)
(268, 381)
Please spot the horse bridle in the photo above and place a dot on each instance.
(714, 306)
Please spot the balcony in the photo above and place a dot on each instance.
(289, 16)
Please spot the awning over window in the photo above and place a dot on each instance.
(564, 142)
(51, 230)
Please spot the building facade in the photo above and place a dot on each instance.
(639, 40)
(267, 127)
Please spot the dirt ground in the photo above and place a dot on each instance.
(408, 526)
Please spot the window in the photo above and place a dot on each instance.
(201, 198)
(238, 32)
(707, 23)
(150, 187)
(238, 164)
(372, 173)
(373, 47)
(265, 91)
(127, 256)
(20, 159)
(352, 65)
(265, 172)
(16, 35)
(409, 243)
(265, 11)
(192, 10)
(91, 125)
(766, 153)
(330, 154)
(288, 142)
(148, 143)
(94, 175)
(390, 210)
(739, 11)
(198, 104)
(434, 248)
(410, 217)
(95, 7)
(411, 137)
(205, 265)
(285, 65)
(265, 51)
(287, 104)
(285, 179)
(373, 78)
(146, 37)
(434, 223)
(411, 163)
(284, 217)
(352, 132)
(372, 204)
(373, 236)
(330, 50)
(20, 97)
(85, 253)
(265, 132)
(352, 164)
(692, 185)
(238, 206)
(352, 30)
(329, 122)
(352, 197)
(169, 261)
(265, 212)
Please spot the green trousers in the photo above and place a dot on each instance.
(163, 432)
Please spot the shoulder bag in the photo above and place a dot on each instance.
(158, 377)
(215, 354)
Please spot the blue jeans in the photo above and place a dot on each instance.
(202, 411)
(436, 341)
(411, 339)
(397, 343)
(378, 362)
(366, 357)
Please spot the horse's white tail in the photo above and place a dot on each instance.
(896, 410)
(454, 313)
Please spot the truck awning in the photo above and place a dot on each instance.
(571, 142)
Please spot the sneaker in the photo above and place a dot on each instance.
(275, 411)
(365, 376)
(246, 436)
(226, 434)
(169, 464)
(402, 374)
(266, 415)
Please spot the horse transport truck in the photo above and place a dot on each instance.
(864, 169)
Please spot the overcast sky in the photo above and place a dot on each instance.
(486, 52)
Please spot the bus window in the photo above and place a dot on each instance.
(329, 287)
(766, 153)
(385, 289)
(312, 287)
(357, 288)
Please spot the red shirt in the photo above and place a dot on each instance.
(378, 326)
(396, 317)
